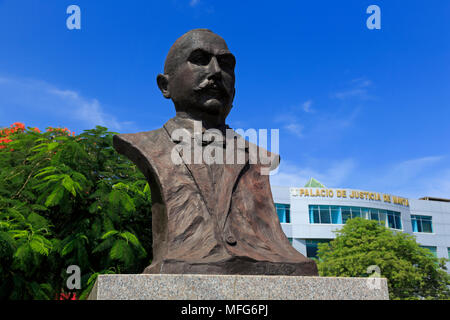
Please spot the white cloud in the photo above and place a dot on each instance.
(86, 110)
(414, 178)
(32, 98)
(361, 93)
(436, 186)
(307, 106)
(193, 3)
(362, 82)
(358, 88)
(345, 121)
(405, 174)
(295, 128)
(291, 175)
(290, 121)
(411, 178)
(405, 171)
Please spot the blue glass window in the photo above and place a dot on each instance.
(312, 246)
(346, 214)
(336, 215)
(325, 214)
(374, 214)
(394, 220)
(314, 214)
(382, 216)
(340, 214)
(284, 212)
(422, 224)
(356, 212)
(415, 225)
(365, 213)
(432, 249)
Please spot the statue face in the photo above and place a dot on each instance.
(203, 79)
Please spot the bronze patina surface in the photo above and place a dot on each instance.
(208, 218)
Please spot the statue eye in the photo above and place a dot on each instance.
(200, 57)
(227, 62)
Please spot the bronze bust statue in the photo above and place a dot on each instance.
(208, 218)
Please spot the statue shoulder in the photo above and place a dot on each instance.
(137, 140)
(145, 142)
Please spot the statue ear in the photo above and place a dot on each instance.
(163, 83)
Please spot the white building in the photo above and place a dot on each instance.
(309, 215)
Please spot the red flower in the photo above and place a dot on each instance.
(18, 125)
(61, 130)
(5, 140)
(68, 296)
(5, 132)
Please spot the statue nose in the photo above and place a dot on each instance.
(214, 67)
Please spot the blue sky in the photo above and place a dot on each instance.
(356, 108)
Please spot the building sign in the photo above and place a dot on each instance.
(348, 194)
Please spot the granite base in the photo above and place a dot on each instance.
(235, 287)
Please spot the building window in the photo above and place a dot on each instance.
(325, 214)
(421, 224)
(374, 215)
(312, 246)
(432, 249)
(284, 212)
(336, 215)
(393, 219)
(346, 214)
(340, 214)
(357, 212)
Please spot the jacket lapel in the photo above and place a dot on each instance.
(230, 177)
(215, 182)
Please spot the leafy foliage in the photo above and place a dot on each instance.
(68, 200)
(412, 272)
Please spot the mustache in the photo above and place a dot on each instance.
(207, 84)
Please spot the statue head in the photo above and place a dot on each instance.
(199, 76)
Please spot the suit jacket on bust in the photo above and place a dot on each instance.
(210, 218)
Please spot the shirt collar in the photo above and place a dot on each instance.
(196, 131)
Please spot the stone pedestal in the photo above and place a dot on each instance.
(235, 287)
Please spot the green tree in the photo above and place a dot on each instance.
(412, 272)
(68, 200)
